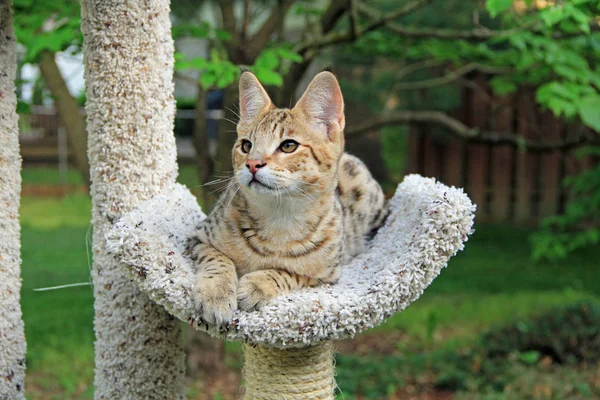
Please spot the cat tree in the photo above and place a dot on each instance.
(287, 342)
(142, 219)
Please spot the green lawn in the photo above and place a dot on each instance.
(493, 281)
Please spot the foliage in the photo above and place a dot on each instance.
(47, 26)
(568, 334)
(500, 363)
(553, 49)
(579, 225)
(217, 71)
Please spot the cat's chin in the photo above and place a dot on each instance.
(257, 186)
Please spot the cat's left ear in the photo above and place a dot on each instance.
(323, 104)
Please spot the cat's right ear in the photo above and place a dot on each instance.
(254, 100)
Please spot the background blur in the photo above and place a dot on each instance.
(499, 97)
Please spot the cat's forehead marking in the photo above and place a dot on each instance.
(271, 125)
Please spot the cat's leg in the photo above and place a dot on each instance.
(216, 284)
(258, 287)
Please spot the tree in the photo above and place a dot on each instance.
(45, 28)
(130, 109)
(427, 46)
(12, 342)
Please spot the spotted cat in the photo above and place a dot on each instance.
(296, 210)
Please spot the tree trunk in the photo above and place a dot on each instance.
(12, 336)
(204, 160)
(205, 355)
(128, 57)
(69, 113)
(286, 94)
(227, 134)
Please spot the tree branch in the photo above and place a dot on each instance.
(478, 33)
(475, 34)
(329, 19)
(451, 77)
(262, 37)
(68, 110)
(472, 134)
(228, 16)
(413, 67)
(245, 21)
(353, 15)
(229, 25)
(349, 35)
(185, 78)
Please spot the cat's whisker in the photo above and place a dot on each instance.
(306, 194)
(292, 199)
(233, 111)
(222, 189)
(234, 194)
(230, 120)
(296, 180)
(217, 181)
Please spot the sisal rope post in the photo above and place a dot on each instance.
(293, 374)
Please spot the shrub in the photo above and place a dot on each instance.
(567, 334)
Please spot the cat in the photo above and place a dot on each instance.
(296, 210)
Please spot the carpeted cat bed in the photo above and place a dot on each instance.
(429, 223)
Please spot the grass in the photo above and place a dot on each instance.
(49, 176)
(493, 281)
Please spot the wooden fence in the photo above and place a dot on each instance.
(506, 183)
(43, 141)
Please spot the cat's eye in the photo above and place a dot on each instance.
(246, 146)
(289, 146)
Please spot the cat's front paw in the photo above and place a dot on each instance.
(254, 291)
(215, 301)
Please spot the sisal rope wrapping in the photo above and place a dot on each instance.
(291, 374)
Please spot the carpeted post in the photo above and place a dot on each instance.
(12, 338)
(128, 55)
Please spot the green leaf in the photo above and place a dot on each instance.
(223, 35)
(518, 40)
(199, 63)
(567, 72)
(289, 55)
(529, 357)
(502, 85)
(267, 59)
(181, 61)
(228, 74)
(552, 15)
(589, 111)
(267, 76)
(495, 7)
(23, 107)
(526, 60)
(199, 31)
(208, 79)
(562, 107)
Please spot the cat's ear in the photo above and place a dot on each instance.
(254, 99)
(323, 104)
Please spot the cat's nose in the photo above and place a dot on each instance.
(255, 165)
